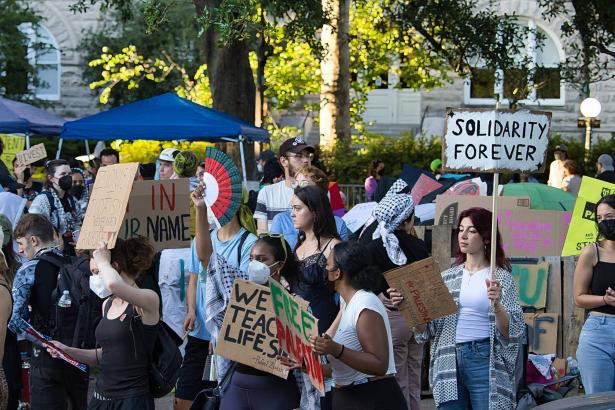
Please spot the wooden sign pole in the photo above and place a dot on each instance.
(494, 223)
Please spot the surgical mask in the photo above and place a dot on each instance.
(260, 168)
(258, 272)
(98, 287)
(607, 229)
(77, 191)
(65, 183)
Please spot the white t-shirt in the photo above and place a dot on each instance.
(174, 263)
(473, 321)
(346, 335)
(556, 174)
(272, 200)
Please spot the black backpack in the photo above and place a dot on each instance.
(75, 325)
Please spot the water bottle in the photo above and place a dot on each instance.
(573, 366)
(65, 301)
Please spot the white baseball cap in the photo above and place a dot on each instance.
(168, 154)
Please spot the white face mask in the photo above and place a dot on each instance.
(98, 287)
(260, 168)
(258, 272)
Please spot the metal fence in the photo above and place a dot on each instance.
(355, 194)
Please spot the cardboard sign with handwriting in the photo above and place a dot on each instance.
(531, 281)
(160, 211)
(107, 205)
(12, 145)
(542, 332)
(448, 207)
(30, 156)
(426, 296)
(248, 333)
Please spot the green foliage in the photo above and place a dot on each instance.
(348, 162)
(576, 152)
(143, 151)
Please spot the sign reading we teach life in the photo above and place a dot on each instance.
(496, 140)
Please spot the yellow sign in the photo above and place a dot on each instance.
(582, 230)
(12, 145)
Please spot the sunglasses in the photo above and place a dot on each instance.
(282, 241)
(300, 184)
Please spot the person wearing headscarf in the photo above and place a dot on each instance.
(391, 246)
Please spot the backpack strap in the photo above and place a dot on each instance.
(244, 236)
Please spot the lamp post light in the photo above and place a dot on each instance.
(590, 109)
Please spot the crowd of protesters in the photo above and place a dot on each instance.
(287, 231)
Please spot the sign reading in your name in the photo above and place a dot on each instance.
(159, 210)
(30, 156)
(107, 205)
(496, 140)
(248, 333)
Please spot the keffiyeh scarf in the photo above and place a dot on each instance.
(392, 210)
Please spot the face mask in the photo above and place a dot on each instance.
(381, 172)
(77, 191)
(65, 183)
(260, 168)
(607, 229)
(258, 272)
(98, 287)
(27, 174)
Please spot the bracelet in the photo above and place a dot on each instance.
(341, 352)
(604, 300)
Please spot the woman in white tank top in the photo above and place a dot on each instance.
(361, 350)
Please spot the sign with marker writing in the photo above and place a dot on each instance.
(486, 140)
(582, 230)
(248, 333)
(448, 207)
(426, 296)
(160, 211)
(531, 281)
(294, 326)
(107, 205)
(30, 156)
(542, 332)
(12, 145)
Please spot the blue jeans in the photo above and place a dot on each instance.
(596, 354)
(472, 377)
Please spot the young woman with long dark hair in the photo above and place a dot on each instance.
(474, 351)
(594, 290)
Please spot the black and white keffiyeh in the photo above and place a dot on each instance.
(392, 210)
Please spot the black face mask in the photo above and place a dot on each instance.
(66, 182)
(77, 191)
(381, 172)
(607, 229)
(27, 174)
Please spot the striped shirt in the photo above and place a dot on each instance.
(504, 351)
(273, 200)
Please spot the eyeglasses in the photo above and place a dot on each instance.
(309, 156)
(332, 270)
(300, 184)
(282, 241)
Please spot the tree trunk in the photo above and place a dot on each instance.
(231, 82)
(335, 71)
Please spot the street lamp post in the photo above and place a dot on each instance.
(590, 109)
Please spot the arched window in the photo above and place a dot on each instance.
(44, 54)
(542, 75)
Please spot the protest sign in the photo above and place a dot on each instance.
(420, 181)
(248, 333)
(426, 296)
(531, 281)
(107, 205)
(542, 332)
(294, 326)
(12, 145)
(159, 210)
(487, 140)
(582, 230)
(448, 207)
(358, 215)
(31, 155)
(528, 233)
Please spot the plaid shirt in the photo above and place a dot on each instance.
(504, 351)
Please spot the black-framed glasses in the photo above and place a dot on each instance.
(300, 184)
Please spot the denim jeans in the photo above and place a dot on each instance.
(596, 354)
(472, 377)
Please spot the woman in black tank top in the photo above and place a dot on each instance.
(594, 289)
(122, 383)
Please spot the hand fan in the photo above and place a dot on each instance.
(223, 185)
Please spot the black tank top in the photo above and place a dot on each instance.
(603, 277)
(124, 360)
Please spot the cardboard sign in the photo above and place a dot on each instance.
(542, 332)
(421, 181)
(107, 205)
(295, 325)
(488, 140)
(448, 207)
(426, 296)
(248, 333)
(582, 230)
(159, 210)
(12, 145)
(531, 234)
(531, 281)
(358, 215)
(31, 155)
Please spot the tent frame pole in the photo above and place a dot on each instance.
(243, 160)
(87, 148)
(59, 148)
(27, 140)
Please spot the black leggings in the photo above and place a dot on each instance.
(383, 394)
(256, 392)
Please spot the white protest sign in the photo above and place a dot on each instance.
(358, 215)
(496, 140)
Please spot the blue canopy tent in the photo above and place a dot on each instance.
(164, 117)
(20, 118)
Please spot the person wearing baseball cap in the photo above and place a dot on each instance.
(556, 169)
(275, 198)
(165, 161)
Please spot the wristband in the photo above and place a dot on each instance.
(341, 352)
